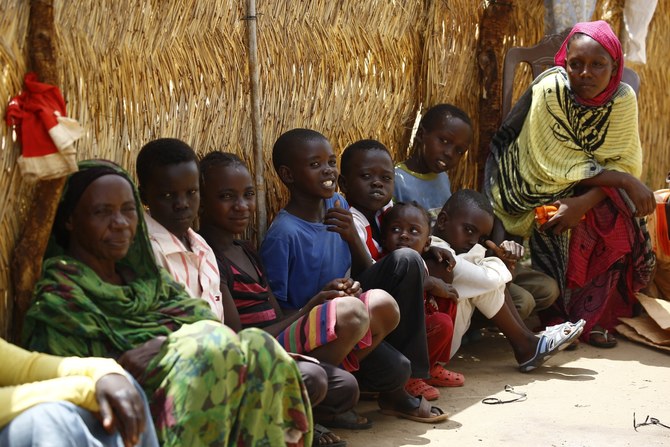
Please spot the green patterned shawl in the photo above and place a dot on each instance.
(74, 312)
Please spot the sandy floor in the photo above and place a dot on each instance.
(582, 398)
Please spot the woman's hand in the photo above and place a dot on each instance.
(136, 360)
(121, 407)
(570, 212)
(642, 197)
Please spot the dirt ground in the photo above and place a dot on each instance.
(580, 398)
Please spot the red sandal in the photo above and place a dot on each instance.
(418, 388)
(440, 376)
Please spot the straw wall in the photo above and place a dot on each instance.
(347, 69)
(653, 100)
(450, 70)
(13, 192)
(134, 71)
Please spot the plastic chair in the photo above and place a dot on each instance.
(540, 57)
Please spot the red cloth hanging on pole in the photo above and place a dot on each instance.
(45, 132)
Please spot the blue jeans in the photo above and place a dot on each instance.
(63, 424)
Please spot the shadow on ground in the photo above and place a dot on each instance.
(577, 398)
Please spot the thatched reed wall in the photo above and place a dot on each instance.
(13, 192)
(133, 71)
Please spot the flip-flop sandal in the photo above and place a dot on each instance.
(574, 331)
(425, 413)
(419, 388)
(609, 340)
(550, 343)
(441, 376)
(319, 432)
(349, 420)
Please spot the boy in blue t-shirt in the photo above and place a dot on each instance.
(313, 240)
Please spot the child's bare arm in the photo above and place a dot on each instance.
(231, 315)
(442, 257)
(438, 269)
(438, 288)
(340, 221)
(439, 282)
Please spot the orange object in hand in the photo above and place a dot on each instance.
(545, 212)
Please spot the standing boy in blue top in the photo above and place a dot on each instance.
(313, 240)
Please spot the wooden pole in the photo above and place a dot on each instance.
(29, 251)
(257, 129)
(493, 27)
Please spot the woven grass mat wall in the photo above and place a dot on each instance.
(13, 192)
(134, 71)
(653, 100)
(450, 70)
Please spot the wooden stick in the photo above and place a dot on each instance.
(257, 128)
(494, 26)
(28, 253)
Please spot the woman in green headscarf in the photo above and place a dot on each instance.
(101, 294)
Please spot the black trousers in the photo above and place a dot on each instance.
(401, 274)
(331, 390)
(384, 369)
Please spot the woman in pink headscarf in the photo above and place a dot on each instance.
(572, 141)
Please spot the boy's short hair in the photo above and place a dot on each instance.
(218, 158)
(436, 113)
(162, 152)
(396, 208)
(288, 142)
(359, 146)
(466, 198)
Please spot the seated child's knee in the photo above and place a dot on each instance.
(408, 258)
(384, 307)
(439, 323)
(552, 291)
(315, 379)
(352, 315)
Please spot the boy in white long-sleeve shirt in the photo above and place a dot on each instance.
(465, 221)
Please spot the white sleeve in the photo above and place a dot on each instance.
(475, 274)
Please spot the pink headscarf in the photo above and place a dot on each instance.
(601, 32)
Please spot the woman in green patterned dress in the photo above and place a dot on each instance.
(101, 294)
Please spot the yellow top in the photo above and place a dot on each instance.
(560, 144)
(30, 378)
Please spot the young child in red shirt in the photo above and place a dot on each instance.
(408, 225)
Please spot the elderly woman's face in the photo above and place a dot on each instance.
(104, 221)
